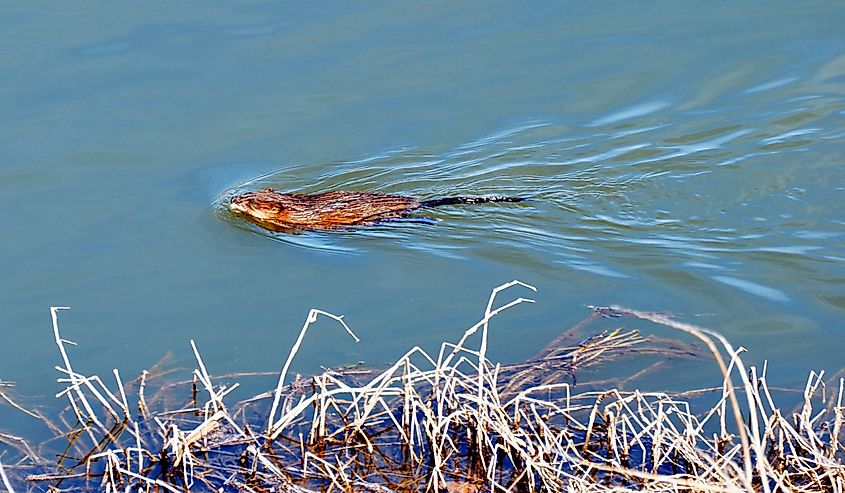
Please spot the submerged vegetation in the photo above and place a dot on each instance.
(452, 421)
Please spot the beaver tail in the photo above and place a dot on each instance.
(469, 200)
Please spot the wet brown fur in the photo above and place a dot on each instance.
(330, 210)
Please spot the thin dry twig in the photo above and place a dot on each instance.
(458, 422)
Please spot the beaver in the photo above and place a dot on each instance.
(279, 211)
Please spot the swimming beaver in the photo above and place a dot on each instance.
(285, 211)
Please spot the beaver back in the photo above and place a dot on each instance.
(327, 210)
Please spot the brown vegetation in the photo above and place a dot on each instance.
(453, 421)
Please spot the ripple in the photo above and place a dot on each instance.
(595, 269)
(771, 85)
(753, 288)
(702, 193)
(631, 112)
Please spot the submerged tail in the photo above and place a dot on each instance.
(469, 200)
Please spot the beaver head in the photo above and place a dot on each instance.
(263, 205)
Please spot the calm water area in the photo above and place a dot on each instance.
(678, 156)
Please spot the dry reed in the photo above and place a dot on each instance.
(453, 421)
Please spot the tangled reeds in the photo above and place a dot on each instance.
(453, 421)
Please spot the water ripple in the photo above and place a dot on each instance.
(717, 190)
(753, 288)
(632, 112)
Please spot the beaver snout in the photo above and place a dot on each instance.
(237, 204)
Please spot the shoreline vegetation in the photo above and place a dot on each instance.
(451, 422)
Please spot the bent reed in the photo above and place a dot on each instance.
(447, 422)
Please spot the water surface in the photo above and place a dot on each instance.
(679, 156)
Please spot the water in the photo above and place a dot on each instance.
(685, 157)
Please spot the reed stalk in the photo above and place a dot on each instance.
(454, 422)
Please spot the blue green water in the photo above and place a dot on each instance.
(679, 156)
